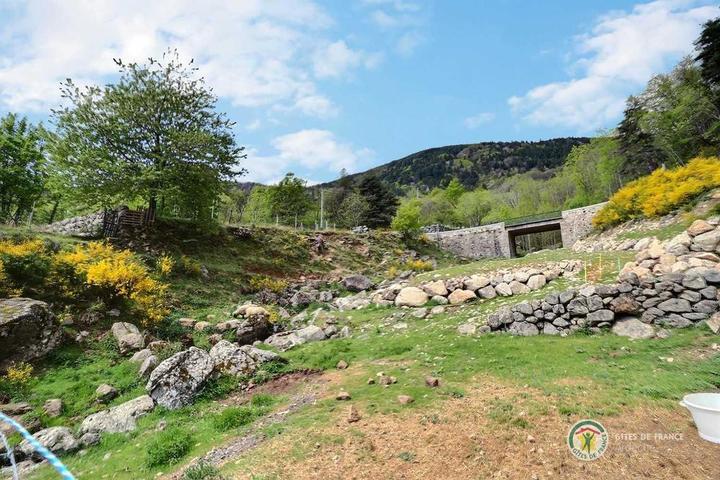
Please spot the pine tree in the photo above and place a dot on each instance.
(382, 203)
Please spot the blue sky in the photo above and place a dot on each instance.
(320, 85)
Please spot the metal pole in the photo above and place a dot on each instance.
(322, 207)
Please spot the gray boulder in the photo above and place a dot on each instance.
(58, 440)
(127, 336)
(523, 329)
(232, 359)
(675, 305)
(357, 283)
(536, 282)
(177, 380)
(287, 340)
(28, 330)
(148, 366)
(118, 419)
(600, 316)
(252, 329)
(633, 328)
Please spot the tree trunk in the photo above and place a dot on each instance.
(53, 212)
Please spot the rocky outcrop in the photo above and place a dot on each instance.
(119, 419)
(231, 359)
(28, 330)
(357, 283)
(287, 340)
(178, 379)
(255, 325)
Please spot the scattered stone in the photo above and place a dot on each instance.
(633, 328)
(148, 366)
(432, 382)
(28, 330)
(127, 336)
(405, 399)
(698, 227)
(411, 297)
(467, 329)
(58, 440)
(461, 296)
(536, 282)
(141, 355)
(105, 393)
(714, 323)
(342, 396)
(420, 312)
(119, 419)
(353, 415)
(176, 381)
(357, 283)
(341, 365)
(187, 322)
(231, 359)
(53, 407)
(387, 380)
(436, 288)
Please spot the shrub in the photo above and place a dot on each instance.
(19, 374)
(165, 265)
(168, 447)
(24, 266)
(660, 192)
(189, 266)
(262, 400)
(114, 273)
(419, 265)
(234, 417)
(202, 471)
(260, 283)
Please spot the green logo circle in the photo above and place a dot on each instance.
(587, 440)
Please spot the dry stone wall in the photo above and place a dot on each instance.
(85, 226)
(488, 241)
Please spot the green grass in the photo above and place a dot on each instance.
(168, 448)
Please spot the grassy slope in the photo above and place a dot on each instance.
(621, 373)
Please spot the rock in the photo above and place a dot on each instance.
(578, 307)
(405, 399)
(387, 380)
(353, 415)
(104, 393)
(343, 396)
(714, 323)
(550, 329)
(311, 333)
(440, 300)
(707, 242)
(695, 282)
(58, 440)
(357, 283)
(461, 296)
(436, 288)
(656, 250)
(698, 227)
(341, 365)
(524, 329)
(53, 407)
(437, 310)
(231, 359)
(256, 327)
(600, 316)
(20, 408)
(420, 313)
(28, 331)
(633, 328)
(503, 289)
(141, 355)
(176, 381)
(467, 329)
(127, 336)
(518, 288)
(675, 321)
(119, 419)
(148, 366)
(705, 306)
(487, 292)
(476, 282)
(662, 334)
(675, 305)
(202, 326)
(89, 439)
(432, 382)
(536, 282)
(187, 322)
(625, 304)
(411, 297)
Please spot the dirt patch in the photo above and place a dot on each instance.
(494, 432)
(282, 384)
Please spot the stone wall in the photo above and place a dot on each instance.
(577, 223)
(487, 241)
(85, 226)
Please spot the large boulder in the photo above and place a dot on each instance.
(28, 330)
(524, 329)
(118, 419)
(58, 440)
(633, 328)
(411, 297)
(436, 288)
(287, 340)
(536, 282)
(177, 380)
(357, 283)
(256, 327)
(698, 227)
(476, 282)
(461, 296)
(127, 336)
(240, 361)
(706, 242)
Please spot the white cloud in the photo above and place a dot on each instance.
(617, 57)
(312, 149)
(408, 42)
(480, 119)
(335, 59)
(255, 53)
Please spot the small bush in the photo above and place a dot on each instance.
(262, 400)
(202, 471)
(260, 283)
(189, 266)
(419, 265)
(19, 373)
(234, 417)
(165, 265)
(24, 266)
(168, 447)
(660, 192)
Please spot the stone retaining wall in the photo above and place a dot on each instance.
(85, 226)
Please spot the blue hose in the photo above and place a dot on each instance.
(39, 448)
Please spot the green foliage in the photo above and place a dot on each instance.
(168, 447)
(473, 207)
(708, 47)
(381, 202)
(202, 471)
(289, 200)
(595, 170)
(352, 211)
(152, 137)
(407, 219)
(258, 209)
(22, 167)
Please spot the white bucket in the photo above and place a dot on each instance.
(705, 410)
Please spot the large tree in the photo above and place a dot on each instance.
(382, 203)
(153, 137)
(289, 199)
(708, 47)
(22, 174)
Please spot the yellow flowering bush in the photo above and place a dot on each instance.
(267, 283)
(190, 266)
(24, 264)
(19, 374)
(660, 192)
(419, 265)
(165, 265)
(119, 273)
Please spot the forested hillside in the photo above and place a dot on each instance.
(474, 165)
